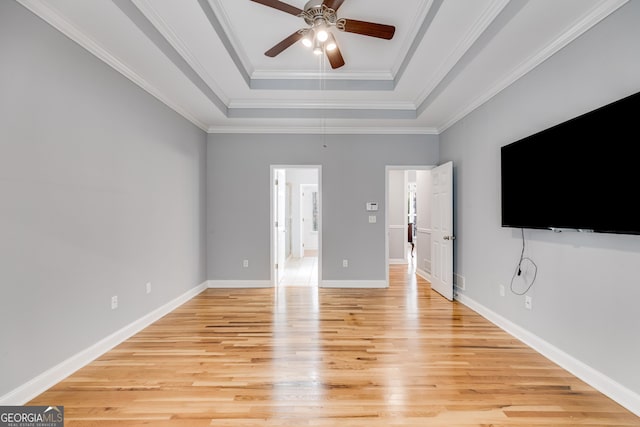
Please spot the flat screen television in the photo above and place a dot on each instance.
(583, 174)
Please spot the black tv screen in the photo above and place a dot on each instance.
(583, 174)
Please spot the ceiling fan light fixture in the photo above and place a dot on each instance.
(319, 37)
(322, 35)
(308, 38)
(317, 47)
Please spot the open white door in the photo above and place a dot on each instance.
(442, 230)
(280, 197)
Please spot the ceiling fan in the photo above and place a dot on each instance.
(320, 16)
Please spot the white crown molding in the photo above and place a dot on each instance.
(176, 42)
(320, 104)
(54, 19)
(476, 30)
(320, 130)
(420, 16)
(310, 75)
(225, 23)
(597, 14)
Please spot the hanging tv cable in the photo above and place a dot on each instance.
(526, 270)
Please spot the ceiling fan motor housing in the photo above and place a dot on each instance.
(316, 13)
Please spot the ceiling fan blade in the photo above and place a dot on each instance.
(370, 29)
(335, 56)
(277, 49)
(333, 4)
(280, 6)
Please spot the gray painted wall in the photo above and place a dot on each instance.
(101, 191)
(585, 299)
(353, 172)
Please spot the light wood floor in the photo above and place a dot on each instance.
(300, 271)
(300, 356)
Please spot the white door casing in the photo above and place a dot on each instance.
(442, 230)
(280, 222)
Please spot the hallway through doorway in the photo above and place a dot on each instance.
(296, 236)
(301, 272)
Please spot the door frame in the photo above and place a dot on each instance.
(272, 233)
(279, 209)
(389, 168)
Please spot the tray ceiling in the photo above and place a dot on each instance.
(205, 58)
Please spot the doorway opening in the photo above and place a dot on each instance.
(296, 232)
(433, 217)
(408, 217)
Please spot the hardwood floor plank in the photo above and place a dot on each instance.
(300, 356)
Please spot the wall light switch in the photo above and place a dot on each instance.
(372, 219)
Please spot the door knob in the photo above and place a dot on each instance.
(449, 237)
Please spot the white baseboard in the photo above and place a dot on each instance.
(424, 274)
(54, 375)
(398, 261)
(239, 284)
(359, 284)
(596, 379)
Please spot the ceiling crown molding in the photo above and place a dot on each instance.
(180, 46)
(480, 26)
(597, 14)
(145, 14)
(320, 130)
(54, 19)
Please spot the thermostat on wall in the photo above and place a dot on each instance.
(372, 206)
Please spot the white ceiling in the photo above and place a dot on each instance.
(205, 58)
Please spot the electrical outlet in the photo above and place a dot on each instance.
(114, 302)
(527, 302)
(148, 287)
(459, 282)
(372, 219)
(502, 291)
(345, 263)
(245, 263)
